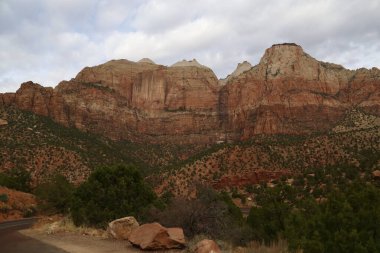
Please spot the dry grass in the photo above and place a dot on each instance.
(281, 246)
(55, 225)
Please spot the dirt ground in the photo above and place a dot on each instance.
(17, 205)
(74, 243)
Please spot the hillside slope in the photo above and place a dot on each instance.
(267, 158)
(43, 147)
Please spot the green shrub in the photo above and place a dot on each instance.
(4, 198)
(55, 195)
(338, 214)
(349, 221)
(111, 193)
(30, 212)
(211, 214)
(17, 178)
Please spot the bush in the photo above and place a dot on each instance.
(330, 215)
(4, 198)
(111, 193)
(349, 221)
(17, 178)
(30, 212)
(267, 219)
(211, 214)
(55, 195)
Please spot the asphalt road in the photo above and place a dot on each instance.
(11, 241)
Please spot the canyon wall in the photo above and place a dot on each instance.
(287, 92)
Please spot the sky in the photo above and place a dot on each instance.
(47, 41)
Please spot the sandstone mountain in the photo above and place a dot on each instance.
(240, 69)
(288, 92)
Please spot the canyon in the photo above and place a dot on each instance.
(287, 92)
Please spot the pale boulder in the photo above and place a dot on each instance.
(3, 122)
(207, 246)
(122, 228)
(376, 174)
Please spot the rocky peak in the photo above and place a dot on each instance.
(117, 75)
(284, 54)
(34, 97)
(146, 60)
(288, 60)
(241, 68)
(191, 63)
(29, 85)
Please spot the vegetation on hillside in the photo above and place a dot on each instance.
(109, 193)
(55, 195)
(16, 178)
(333, 209)
(44, 148)
(274, 153)
(210, 213)
(328, 202)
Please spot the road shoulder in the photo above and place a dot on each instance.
(76, 243)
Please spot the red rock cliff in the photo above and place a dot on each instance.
(287, 92)
(291, 92)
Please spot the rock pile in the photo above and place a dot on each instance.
(153, 236)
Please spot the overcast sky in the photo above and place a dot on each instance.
(47, 41)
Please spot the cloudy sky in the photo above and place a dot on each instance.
(51, 40)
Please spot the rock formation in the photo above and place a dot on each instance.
(287, 92)
(376, 174)
(291, 92)
(240, 69)
(153, 236)
(207, 246)
(3, 122)
(123, 227)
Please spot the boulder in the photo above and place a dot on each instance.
(3, 122)
(122, 228)
(153, 236)
(376, 174)
(207, 246)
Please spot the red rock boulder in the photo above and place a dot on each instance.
(153, 236)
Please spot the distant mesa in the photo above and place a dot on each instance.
(191, 63)
(146, 60)
(240, 69)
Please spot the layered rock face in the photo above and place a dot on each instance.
(125, 100)
(291, 92)
(287, 92)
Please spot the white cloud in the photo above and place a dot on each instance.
(50, 40)
(183, 40)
